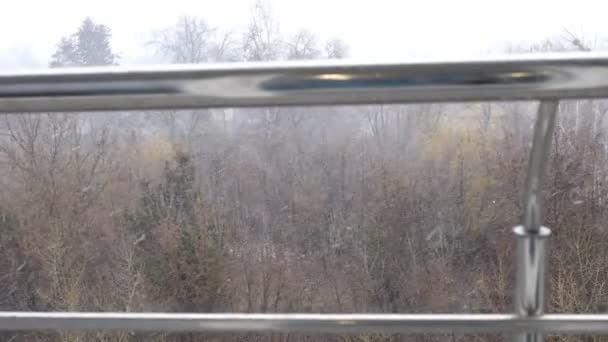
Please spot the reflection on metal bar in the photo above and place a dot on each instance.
(530, 279)
(322, 323)
(306, 83)
(530, 265)
(541, 146)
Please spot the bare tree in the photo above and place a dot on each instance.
(336, 48)
(192, 40)
(262, 39)
(303, 45)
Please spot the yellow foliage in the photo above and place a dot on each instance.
(436, 142)
(155, 149)
(474, 210)
(458, 143)
(453, 139)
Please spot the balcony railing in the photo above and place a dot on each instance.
(546, 78)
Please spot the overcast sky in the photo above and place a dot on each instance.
(379, 29)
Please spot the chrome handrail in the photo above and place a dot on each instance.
(530, 77)
(323, 323)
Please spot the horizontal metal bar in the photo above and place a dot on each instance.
(321, 323)
(306, 83)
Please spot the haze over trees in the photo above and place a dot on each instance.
(388, 208)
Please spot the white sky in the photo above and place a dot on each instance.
(379, 29)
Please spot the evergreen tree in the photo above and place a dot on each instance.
(89, 46)
(187, 272)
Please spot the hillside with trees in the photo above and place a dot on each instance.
(391, 208)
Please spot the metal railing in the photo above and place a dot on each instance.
(547, 78)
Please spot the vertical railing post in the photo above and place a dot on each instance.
(530, 276)
(531, 235)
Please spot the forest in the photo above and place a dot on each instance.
(343, 209)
